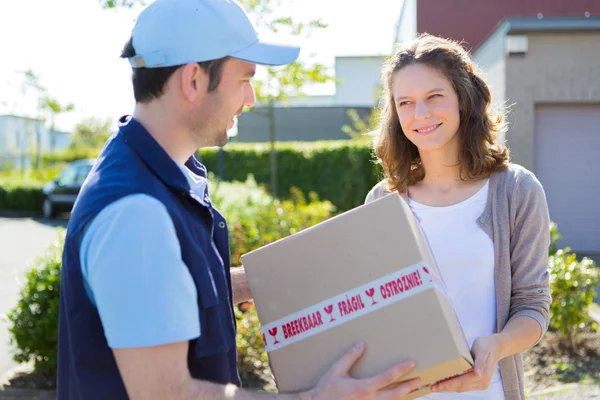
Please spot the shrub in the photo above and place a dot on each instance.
(554, 237)
(21, 194)
(67, 156)
(38, 175)
(573, 284)
(255, 219)
(34, 320)
(339, 171)
(253, 361)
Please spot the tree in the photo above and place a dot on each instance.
(360, 127)
(47, 108)
(282, 83)
(54, 108)
(91, 133)
(279, 83)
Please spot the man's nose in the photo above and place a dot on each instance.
(249, 95)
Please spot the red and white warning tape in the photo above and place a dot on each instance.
(347, 306)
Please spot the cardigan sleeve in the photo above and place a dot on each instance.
(529, 246)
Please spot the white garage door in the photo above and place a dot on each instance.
(567, 163)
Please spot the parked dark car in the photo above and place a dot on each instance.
(60, 194)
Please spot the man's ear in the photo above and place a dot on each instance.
(193, 81)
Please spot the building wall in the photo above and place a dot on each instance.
(490, 58)
(297, 124)
(18, 140)
(59, 141)
(320, 117)
(360, 78)
(474, 20)
(567, 140)
(558, 68)
(306, 101)
(406, 27)
(357, 79)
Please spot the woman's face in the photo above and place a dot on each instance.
(427, 107)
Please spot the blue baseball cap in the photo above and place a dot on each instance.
(178, 32)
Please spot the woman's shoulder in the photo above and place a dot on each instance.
(517, 180)
(378, 191)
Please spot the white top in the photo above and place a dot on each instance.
(465, 256)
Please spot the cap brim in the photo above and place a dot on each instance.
(268, 54)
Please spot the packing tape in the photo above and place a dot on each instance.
(352, 304)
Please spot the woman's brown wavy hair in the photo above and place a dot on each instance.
(479, 153)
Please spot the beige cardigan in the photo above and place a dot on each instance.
(517, 220)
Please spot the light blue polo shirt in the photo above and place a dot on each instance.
(134, 274)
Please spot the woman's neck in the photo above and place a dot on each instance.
(442, 184)
(442, 169)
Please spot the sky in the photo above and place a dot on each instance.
(74, 46)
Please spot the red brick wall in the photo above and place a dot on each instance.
(473, 20)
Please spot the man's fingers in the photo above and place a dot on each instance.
(399, 391)
(390, 375)
(347, 361)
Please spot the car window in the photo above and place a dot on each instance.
(82, 173)
(67, 176)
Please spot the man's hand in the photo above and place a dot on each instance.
(337, 384)
(486, 352)
(239, 284)
(160, 372)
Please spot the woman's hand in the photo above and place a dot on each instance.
(486, 353)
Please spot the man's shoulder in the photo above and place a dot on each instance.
(137, 210)
(120, 224)
(140, 206)
(117, 174)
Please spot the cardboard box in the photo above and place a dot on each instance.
(367, 274)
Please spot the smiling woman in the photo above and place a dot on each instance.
(436, 97)
(486, 219)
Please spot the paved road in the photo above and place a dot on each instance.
(22, 240)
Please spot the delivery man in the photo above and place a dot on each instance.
(146, 309)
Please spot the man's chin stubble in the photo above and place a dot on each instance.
(223, 139)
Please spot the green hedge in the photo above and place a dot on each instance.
(339, 171)
(53, 159)
(21, 194)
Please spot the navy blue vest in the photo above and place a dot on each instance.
(133, 162)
